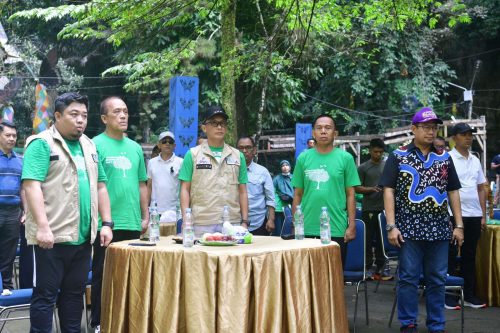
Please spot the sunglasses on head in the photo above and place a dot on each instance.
(169, 141)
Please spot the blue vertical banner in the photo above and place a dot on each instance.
(183, 112)
(302, 133)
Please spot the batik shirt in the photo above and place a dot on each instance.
(420, 186)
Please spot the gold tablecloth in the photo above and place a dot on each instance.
(488, 266)
(168, 229)
(271, 285)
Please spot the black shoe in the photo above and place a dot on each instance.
(451, 303)
(474, 302)
(409, 329)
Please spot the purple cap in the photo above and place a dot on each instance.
(425, 115)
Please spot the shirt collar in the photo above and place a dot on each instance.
(169, 160)
(12, 154)
(457, 154)
(412, 146)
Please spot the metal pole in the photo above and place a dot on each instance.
(476, 69)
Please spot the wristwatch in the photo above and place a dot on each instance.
(389, 227)
(110, 224)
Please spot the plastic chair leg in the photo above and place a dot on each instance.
(366, 301)
(462, 306)
(393, 309)
(356, 307)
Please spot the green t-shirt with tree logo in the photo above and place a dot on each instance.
(324, 178)
(123, 162)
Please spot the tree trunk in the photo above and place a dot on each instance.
(228, 30)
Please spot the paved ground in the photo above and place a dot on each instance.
(379, 309)
(476, 321)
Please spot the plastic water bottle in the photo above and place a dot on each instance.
(299, 223)
(324, 227)
(226, 225)
(154, 223)
(225, 214)
(187, 230)
(178, 219)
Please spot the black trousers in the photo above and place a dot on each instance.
(372, 228)
(25, 261)
(261, 231)
(60, 273)
(97, 270)
(472, 232)
(9, 237)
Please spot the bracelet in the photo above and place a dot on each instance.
(459, 227)
(244, 221)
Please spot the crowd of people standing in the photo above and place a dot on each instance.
(76, 195)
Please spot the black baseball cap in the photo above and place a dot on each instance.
(215, 110)
(462, 128)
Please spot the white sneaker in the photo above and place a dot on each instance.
(97, 329)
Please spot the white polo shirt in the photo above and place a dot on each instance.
(471, 175)
(164, 176)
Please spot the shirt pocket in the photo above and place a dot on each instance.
(254, 186)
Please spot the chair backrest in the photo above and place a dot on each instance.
(286, 229)
(389, 250)
(355, 257)
(359, 214)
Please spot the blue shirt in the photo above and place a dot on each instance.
(420, 186)
(10, 179)
(260, 191)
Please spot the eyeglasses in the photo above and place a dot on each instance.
(169, 141)
(429, 128)
(247, 148)
(214, 123)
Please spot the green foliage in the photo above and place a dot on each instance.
(24, 101)
(366, 55)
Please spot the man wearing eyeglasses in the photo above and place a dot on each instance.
(260, 191)
(214, 175)
(163, 174)
(419, 184)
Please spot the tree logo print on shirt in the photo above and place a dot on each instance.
(317, 175)
(119, 162)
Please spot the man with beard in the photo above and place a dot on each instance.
(65, 189)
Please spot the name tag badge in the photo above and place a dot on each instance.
(54, 158)
(95, 158)
(203, 166)
(203, 163)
